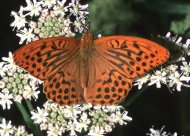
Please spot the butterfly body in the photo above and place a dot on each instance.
(86, 53)
(97, 71)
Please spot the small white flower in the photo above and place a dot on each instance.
(39, 116)
(77, 8)
(108, 128)
(33, 8)
(28, 93)
(158, 78)
(20, 131)
(83, 122)
(79, 24)
(43, 126)
(112, 108)
(71, 112)
(6, 128)
(186, 67)
(26, 35)
(54, 131)
(5, 100)
(59, 8)
(72, 127)
(97, 131)
(176, 79)
(19, 21)
(141, 81)
(120, 118)
(10, 66)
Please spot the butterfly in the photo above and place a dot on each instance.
(99, 71)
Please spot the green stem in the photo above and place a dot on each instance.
(132, 98)
(29, 105)
(29, 123)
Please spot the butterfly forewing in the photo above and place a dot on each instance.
(131, 56)
(56, 61)
(45, 57)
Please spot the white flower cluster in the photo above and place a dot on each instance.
(49, 18)
(6, 129)
(160, 132)
(15, 83)
(174, 76)
(79, 119)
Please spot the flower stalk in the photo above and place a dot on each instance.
(29, 123)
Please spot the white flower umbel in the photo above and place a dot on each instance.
(16, 84)
(49, 18)
(161, 132)
(6, 129)
(79, 119)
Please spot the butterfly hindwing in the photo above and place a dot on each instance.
(131, 56)
(64, 87)
(108, 86)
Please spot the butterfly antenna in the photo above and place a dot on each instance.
(111, 26)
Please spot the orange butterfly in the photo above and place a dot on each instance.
(97, 71)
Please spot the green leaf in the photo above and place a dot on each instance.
(182, 26)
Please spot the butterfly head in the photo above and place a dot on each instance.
(86, 39)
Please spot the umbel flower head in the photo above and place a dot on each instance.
(15, 83)
(52, 18)
(7, 129)
(79, 119)
(161, 132)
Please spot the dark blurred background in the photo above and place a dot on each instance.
(142, 18)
